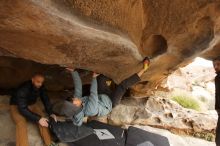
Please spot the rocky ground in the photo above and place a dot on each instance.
(163, 113)
(126, 114)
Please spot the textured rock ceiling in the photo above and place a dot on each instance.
(111, 36)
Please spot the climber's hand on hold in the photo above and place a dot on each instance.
(95, 75)
(70, 69)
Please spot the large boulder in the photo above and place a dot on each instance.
(111, 37)
(163, 113)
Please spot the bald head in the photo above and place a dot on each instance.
(37, 80)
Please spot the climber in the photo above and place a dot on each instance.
(116, 92)
(216, 64)
(23, 106)
(99, 104)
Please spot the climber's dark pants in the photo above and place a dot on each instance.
(217, 138)
(120, 89)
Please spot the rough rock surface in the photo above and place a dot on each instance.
(111, 37)
(13, 71)
(163, 113)
(194, 74)
(194, 80)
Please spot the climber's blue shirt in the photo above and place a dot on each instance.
(94, 104)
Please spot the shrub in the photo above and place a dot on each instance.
(206, 136)
(186, 101)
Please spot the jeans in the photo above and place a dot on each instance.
(120, 89)
(21, 126)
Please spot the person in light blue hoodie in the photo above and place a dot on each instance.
(92, 105)
(97, 104)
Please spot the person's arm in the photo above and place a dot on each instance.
(217, 108)
(216, 101)
(23, 106)
(94, 91)
(77, 84)
(141, 72)
(46, 101)
(78, 118)
(91, 108)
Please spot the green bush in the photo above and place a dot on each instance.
(206, 136)
(187, 102)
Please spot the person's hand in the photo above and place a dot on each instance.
(146, 62)
(95, 75)
(54, 117)
(77, 102)
(70, 69)
(44, 122)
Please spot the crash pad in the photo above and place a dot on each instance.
(105, 135)
(68, 132)
(139, 137)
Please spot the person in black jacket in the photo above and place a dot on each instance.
(117, 91)
(23, 106)
(216, 64)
